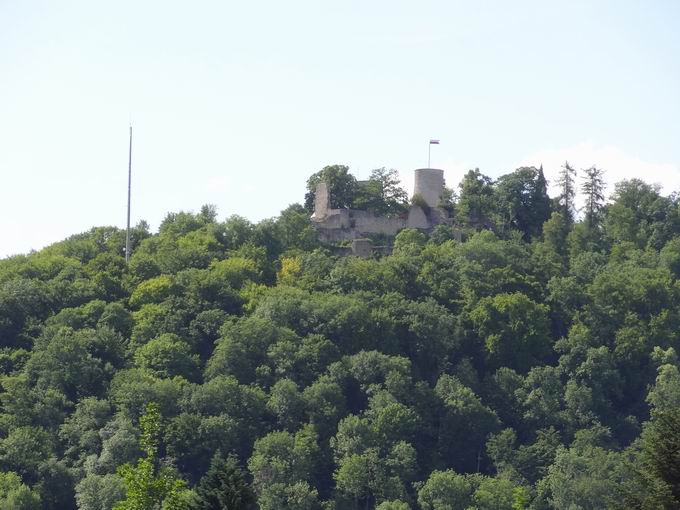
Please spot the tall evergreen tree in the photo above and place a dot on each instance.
(542, 188)
(224, 487)
(661, 450)
(567, 191)
(542, 202)
(593, 189)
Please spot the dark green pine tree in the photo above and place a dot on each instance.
(593, 190)
(541, 202)
(566, 182)
(224, 487)
(661, 453)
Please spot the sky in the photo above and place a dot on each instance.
(236, 103)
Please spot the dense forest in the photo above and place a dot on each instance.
(232, 365)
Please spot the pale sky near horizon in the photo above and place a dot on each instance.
(237, 103)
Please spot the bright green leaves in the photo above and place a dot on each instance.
(148, 484)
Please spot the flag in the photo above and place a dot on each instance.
(434, 142)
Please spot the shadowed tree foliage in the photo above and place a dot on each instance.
(223, 487)
(523, 200)
(661, 457)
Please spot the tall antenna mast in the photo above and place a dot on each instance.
(127, 233)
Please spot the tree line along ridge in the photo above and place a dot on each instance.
(519, 355)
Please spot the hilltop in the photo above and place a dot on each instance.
(520, 354)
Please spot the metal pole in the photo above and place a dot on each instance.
(127, 234)
(429, 150)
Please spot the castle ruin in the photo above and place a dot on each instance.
(425, 213)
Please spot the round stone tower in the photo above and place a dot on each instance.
(429, 185)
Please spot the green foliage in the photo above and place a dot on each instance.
(446, 490)
(476, 202)
(281, 461)
(298, 496)
(515, 330)
(24, 450)
(593, 190)
(393, 505)
(294, 229)
(466, 423)
(532, 364)
(661, 455)
(582, 477)
(15, 495)
(153, 290)
(494, 494)
(408, 241)
(382, 193)
(286, 402)
(167, 356)
(223, 487)
(99, 492)
(523, 200)
(243, 347)
(567, 186)
(665, 395)
(342, 186)
(147, 483)
(640, 215)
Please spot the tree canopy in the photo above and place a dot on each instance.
(530, 362)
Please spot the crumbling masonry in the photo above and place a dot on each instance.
(334, 225)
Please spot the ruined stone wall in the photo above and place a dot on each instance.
(334, 225)
(344, 224)
(365, 222)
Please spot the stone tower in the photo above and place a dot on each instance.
(429, 185)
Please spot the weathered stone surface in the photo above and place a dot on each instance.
(368, 223)
(429, 185)
(334, 225)
(362, 248)
(417, 218)
(322, 201)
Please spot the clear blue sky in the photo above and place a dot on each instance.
(236, 103)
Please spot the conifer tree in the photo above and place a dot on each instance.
(661, 452)
(593, 189)
(541, 200)
(223, 487)
(567, 191)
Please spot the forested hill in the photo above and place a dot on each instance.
(237, 365)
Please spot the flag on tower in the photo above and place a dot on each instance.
(434, 142)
